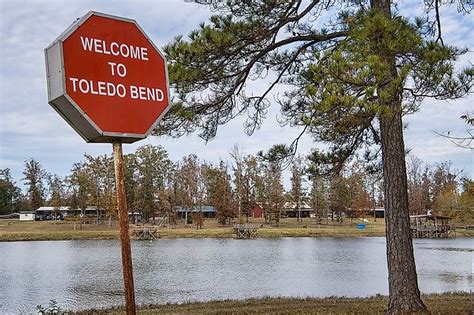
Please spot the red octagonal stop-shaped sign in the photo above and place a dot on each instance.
(107, 79)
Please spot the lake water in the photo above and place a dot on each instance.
(88, 274)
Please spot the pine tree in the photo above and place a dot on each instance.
(353, 79)
(9, 192)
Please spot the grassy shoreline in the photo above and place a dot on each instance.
(13, 230)
(445, 303)
(172, 234)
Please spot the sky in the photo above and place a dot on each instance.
(30, 128)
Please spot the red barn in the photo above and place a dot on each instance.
(257, 212)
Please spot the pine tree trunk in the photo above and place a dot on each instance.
(404, 295)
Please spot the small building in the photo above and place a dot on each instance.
(431, 226)
(27, 216)
(292, 211)
(59, 213)
(207, 211)
(257, 212)
(51, 213)
(92, 211)
(135, 216)
(378, 212)
(70, 212)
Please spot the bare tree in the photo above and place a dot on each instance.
(297, 192)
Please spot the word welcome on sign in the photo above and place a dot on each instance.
(116, 49)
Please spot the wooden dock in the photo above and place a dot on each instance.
(142, 232)
(431, 226)
(245, 231)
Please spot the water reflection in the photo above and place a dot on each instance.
(86, 274)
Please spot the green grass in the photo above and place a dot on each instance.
(447, 303)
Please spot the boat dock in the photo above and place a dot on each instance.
(431, 226)
(245, 231)
(143, 232)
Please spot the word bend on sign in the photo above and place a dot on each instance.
(108, 79)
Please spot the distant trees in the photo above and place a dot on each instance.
(359, 192)
(9, 192)
(156, 185)
(81, 187)
(152, 166)
(273, 192)
(319, 196)
(219, 192)
(439, 188)
(466, 201)
(339, 197)
(35, 180)
(297, 191)
(189, 182)
(418, 194)
(56, 191)
(251, 180)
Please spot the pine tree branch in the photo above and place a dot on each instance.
(438, 21)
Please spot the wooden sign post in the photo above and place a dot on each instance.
(124, 234)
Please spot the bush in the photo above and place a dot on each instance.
(53, 308)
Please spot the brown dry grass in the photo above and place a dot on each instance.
(14, 230)
(448, 303)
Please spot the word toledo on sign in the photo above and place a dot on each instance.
(107, 79)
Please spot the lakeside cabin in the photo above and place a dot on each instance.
(378, 212)
(291, 210)
(207, 211)
(27, 216)
(431, 226)
(59, 213)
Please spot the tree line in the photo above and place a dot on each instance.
(155, 184)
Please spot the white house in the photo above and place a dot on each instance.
(27, 216)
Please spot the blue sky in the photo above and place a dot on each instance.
(30, 128)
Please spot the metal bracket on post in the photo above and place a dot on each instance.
(124, 235)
